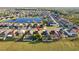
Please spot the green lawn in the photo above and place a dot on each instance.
(60, 45)
(2, 20)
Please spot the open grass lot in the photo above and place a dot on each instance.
(60, 45)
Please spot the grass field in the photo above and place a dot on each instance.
(60, 45)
